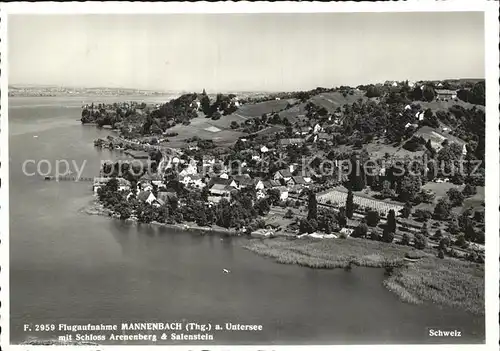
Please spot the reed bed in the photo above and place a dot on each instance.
(447, 282)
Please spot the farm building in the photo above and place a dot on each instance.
(444, 94)
(437, 137)
(221, 190)
(291, 141)
(99, 182)
(339, 198)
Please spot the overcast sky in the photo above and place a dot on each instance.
(243, 52)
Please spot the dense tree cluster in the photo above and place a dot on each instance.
(476, 95)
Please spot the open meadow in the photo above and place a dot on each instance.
(257, 109)
(204, 128)
(333, 100)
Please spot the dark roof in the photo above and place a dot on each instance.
(298, 180)
(143, 195)
(138, 154)
(445, 92)
(148, 177)
(243, 179)
(218, 180)
(221, 187)
(285, 172)
(272, 183)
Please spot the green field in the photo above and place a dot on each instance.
(377, 149)
(256, 110)
(445, 105)
(292, 114)
(331, 101)
(198, 127)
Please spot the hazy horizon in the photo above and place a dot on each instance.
(243, 52)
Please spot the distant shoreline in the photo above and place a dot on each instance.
(86, 94)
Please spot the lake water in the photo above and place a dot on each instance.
(69, 267)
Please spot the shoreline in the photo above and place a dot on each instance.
(97, 209)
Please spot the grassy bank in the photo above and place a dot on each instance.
(448, 282)
(315, 253)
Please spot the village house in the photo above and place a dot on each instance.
(242, 181)
(271, 184)
(437, 138)
(445, 94)
(283, 192)
(224, 175)
(159, 183)
(196, 104)
(284, 174)
(260, 191)
(323, 137)
(264, 149)
(220, 191)
(408, 125)
(296, 182)
(259, 184)
(317, 128)
(304, 130)
(222, 181)
(144, 185)
(189, 170)
(146, 196)
(99, 182)
(193, 180)
(208, 161)
(307, 177)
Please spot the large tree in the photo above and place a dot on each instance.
(312, 206)
(428, 94)
(455, 196)
(349, 205)
(409, 188)
(442, 210)
(391, 221)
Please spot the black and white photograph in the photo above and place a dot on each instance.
(245, 175)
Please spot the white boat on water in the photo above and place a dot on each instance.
(35, 136)
(226, 270)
